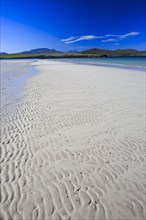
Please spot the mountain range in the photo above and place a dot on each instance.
(40, 51)
(94, 52)
(118, 52)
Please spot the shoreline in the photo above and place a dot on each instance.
(73, 60)
(74, 148)
(14, 76)
(108, 65)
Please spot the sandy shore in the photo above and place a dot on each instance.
(73, 145)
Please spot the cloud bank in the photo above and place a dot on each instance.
(106, 38)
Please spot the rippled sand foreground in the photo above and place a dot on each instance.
(73, 145)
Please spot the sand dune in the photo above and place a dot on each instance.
(73, 144)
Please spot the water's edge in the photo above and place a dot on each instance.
(13, 79)
(109, 62)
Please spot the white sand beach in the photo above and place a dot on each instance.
(73, 145)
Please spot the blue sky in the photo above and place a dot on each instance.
(72, 24)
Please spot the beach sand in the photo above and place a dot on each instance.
(73, 145)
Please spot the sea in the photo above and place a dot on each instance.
(134, 63)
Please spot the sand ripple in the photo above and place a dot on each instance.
(70, 149)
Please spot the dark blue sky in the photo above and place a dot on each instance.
(72, 24)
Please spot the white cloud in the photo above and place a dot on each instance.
(75, 39)
(89, 37)
(124, 36)
(115, 38)
(118, 38)
(69, 39)
(112, 35)
(109, 40)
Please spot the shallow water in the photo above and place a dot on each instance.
(14, 75)
(134, 63)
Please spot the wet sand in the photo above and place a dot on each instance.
(73, 143)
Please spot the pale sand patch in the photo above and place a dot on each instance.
(76, 146)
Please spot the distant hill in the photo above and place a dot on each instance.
(45, 53)
(102, 52)
(40, 51)
(3, 53)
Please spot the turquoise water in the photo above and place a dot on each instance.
(122, 62)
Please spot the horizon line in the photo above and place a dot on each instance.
(71, 49)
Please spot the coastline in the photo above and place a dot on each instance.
(75, 148)
(102, 64)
